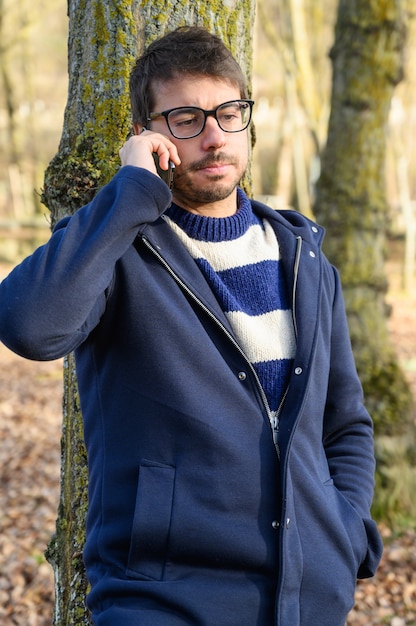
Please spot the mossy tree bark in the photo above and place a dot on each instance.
(351, 203)
(101, 48)
(104, 39)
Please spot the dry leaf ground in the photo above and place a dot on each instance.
(30, 418)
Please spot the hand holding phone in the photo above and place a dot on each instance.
(146, 149)
(165, 175)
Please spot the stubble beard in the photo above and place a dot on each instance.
(214, 190)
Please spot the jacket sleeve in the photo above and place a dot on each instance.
(348, 432)
(54, 298)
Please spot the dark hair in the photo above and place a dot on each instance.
(188, 50)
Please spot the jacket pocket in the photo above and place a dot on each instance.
(152, 520)
(374, 552)
(352, 523)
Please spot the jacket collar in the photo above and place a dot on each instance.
(293, 222)
(172, 252)
(294, 232)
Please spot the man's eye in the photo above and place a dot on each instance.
(184, 119)
(230, 113)
(229, 116)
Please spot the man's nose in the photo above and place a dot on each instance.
(212, 135)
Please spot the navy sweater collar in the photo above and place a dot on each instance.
(214, 229)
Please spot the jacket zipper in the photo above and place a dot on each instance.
(294, 292)
(295, 282)
(273, 419)
(276, 417)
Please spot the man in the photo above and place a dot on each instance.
(230, 455)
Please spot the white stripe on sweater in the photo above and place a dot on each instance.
(241, 262)
(254, 246)
(266, 337)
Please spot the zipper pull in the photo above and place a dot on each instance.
(275, 436)
(275, 431)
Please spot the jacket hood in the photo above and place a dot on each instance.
(295, 222)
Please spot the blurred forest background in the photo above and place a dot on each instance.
(33, 90)
(292, 76)
(291, 118)
(291, 113)
(292, 88)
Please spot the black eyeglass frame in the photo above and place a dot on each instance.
(212, 112)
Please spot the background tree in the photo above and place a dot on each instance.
(351, 202)
(104, 39)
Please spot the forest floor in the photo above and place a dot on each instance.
(30, 422)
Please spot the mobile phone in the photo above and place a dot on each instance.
(165, 175)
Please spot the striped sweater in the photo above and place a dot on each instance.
(240, 258)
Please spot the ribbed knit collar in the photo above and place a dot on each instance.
(205, 228)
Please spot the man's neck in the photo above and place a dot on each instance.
(218, 208)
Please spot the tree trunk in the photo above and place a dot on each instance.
(104, 39)
(351, 203)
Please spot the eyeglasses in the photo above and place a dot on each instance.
(187, 122)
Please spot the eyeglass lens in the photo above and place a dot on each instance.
(187, 122)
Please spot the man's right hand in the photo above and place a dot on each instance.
(139, 150)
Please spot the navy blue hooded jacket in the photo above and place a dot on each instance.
(195, 516)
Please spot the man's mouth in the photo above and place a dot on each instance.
(214, 168)
(213, 163)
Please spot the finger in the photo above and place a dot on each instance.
(139, 149)
(166, 151)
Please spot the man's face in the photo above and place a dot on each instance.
(213, 163)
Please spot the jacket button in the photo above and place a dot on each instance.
(275, 524)
(242, 375)
(298, 371)
(312, 254)
(314, 229)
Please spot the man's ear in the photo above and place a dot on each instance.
(138, 128)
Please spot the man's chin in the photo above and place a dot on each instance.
(203, 195)
(192, 190)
